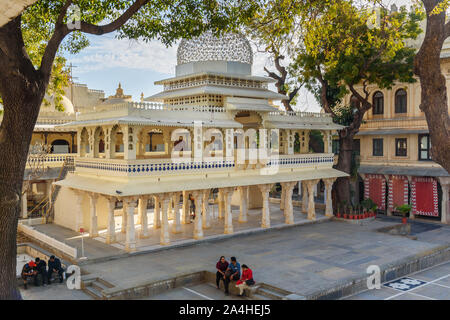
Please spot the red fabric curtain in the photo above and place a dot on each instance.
(398, 191)
(376, 190)
(424, 196)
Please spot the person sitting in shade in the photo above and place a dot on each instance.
(41, 268)
(28, 272)
(221, 266)
(233, 273)
(54, 265)
(246, 280)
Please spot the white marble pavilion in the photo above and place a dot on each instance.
(213, 127)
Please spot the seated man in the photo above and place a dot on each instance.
(41, 268)
(233, 273)
(54, 265)
(28, 272)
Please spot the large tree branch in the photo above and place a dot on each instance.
(62, 30)
(273, 75)
(116, 24)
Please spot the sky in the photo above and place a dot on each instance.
(137, 65)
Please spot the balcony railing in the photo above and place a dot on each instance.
(157, 167)
(50, 160)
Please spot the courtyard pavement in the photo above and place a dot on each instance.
(303, 259)
(430, 284)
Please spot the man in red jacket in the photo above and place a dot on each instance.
(246, 280)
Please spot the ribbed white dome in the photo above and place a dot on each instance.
(207, 47)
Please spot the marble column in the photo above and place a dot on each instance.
(93, 228)
(130, 237)
(164, 238)
(123, 228)
(288, 207)
(265, 189)
(221, 204)
(445, 186)
(328, 200)
(206, 219)
(228, 222)
(170, 212)
(304, 197)
(198, 229)
(243, 212)
(142, 217)
(157, 213)
(185, 219)
(311, 205)
(111, 229)
(24, 205)
(176, 226)
(283, 197)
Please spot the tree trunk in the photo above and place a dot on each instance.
(22, 91)
(342, 185)
(427, 65)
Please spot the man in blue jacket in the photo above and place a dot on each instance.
(232, 273)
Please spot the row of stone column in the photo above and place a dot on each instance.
(167, 206)
(308, 204)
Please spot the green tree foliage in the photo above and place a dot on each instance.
(29, 69)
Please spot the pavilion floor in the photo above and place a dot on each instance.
(96, 248)
(214, 231)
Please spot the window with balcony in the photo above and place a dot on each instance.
(400, 101)
(401, 147)
(424, 147)
(377, 147)
(378, 103)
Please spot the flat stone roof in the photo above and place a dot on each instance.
(404, 171)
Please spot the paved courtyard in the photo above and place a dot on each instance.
(301, 259)
(430, 284)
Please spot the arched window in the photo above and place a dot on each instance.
(378, 103)
(400, 101)
(60, 146)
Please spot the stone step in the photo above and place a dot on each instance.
(105, 283)
(93, 292)
(257, 296)
(270, 294)
(277, 290)
(99, 286)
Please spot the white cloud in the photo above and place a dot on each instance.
(107, 53)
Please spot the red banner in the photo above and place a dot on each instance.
(375, 189)
(424, 196)
(398, 191)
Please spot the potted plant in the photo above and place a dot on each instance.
(338, 213)
(369, 206)
(404, 209)
(345, 211)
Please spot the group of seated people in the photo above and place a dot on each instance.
(37, 269)
(228, 272)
